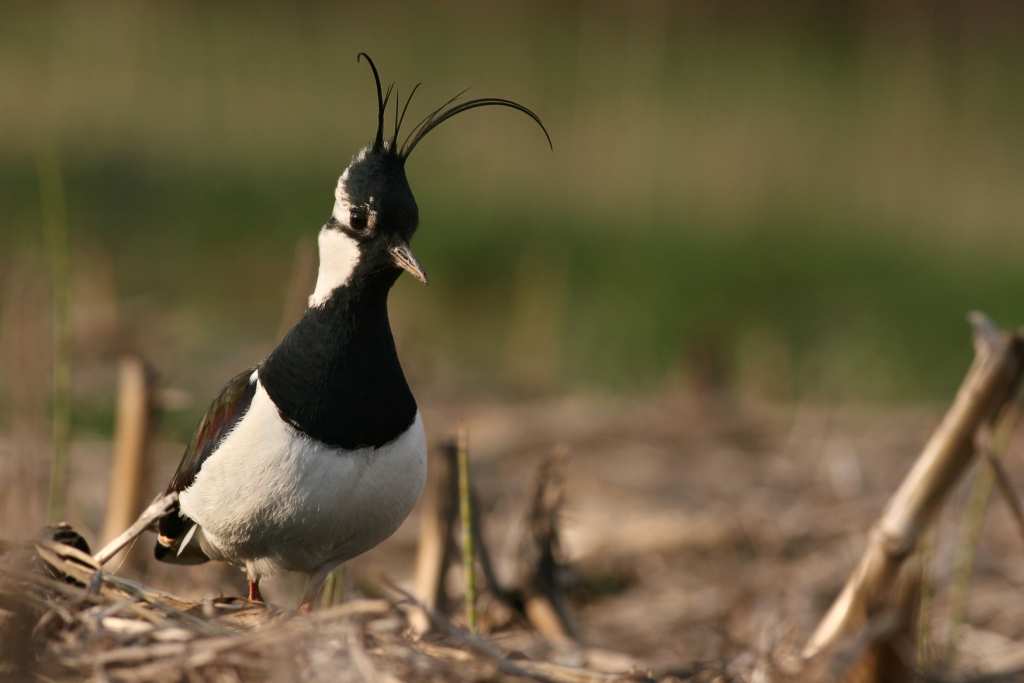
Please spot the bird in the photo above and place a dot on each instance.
(318, 453)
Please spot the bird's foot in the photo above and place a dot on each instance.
(254, 591)
(306, 607)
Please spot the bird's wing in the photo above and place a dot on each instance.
(222, 415)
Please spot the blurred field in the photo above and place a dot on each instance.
(816, 195)
(736, 289)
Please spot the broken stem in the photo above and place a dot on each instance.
(990, 383)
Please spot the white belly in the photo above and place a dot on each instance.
(271, 497)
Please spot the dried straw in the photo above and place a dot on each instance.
(63, 619)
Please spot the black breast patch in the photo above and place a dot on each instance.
(336, 376)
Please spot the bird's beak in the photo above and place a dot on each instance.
(403, 257)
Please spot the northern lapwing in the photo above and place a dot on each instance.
(317, 454)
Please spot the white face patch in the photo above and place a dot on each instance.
(342, 205)
(339, 255)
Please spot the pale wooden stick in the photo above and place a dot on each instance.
(436, 546)
(157, 509)
(131, 435)
(544, 617)
(990, 382)
(437, 515)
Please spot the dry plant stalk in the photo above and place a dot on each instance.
(466, 517)
(334, 588)
(438, 508)
(25, 367)
(926, 555)
(544, 601)
(523, 668)
(1003, 481)
(55, 231)
(993, 442)
(989, 384)
(78, 622)
(131, 437)
(437, 545)
(963, 561)
(537, 594)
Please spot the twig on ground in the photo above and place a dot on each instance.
(52, 556)
(157, 509)
(539, 671)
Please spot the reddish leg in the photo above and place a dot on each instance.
(254, 591)
(310, 599)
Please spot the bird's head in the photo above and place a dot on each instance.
(375, 214)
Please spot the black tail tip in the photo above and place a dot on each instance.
(191, 554)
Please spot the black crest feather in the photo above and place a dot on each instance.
(433, 120)
(378, 141)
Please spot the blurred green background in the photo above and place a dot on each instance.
(800, 200)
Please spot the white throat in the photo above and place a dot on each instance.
(339, 255)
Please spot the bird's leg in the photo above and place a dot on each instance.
(254, 591)
(310, 599)
(314, 589)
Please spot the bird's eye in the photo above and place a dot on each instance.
(357, 219)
